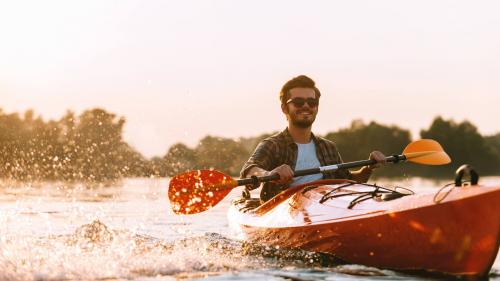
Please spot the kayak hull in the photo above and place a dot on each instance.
(459, 236)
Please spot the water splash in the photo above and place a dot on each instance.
(96, 252)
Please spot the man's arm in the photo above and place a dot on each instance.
(261, 163)
(256, 171)
(284, 171)
(260, 158)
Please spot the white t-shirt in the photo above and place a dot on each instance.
(306, 159)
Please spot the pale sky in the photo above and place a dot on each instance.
(179, 70)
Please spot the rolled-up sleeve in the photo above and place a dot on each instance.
(262, 157)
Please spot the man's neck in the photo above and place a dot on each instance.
(300, 135)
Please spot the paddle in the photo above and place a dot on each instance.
(197, 191)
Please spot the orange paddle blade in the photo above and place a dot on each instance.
(196, 191)
(426, 151)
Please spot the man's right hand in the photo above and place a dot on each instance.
(285, 173)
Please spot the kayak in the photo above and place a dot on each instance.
(454, 231)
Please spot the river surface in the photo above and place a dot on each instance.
(128, 232)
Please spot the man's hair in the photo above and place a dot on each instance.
(300, 81)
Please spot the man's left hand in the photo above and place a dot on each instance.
(379, 157)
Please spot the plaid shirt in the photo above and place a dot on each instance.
(281, 149)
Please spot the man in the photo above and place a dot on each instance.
(297, 148)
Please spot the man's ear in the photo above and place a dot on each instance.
(284, 108)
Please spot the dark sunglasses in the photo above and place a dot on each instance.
(299, 102)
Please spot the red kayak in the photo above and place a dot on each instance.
(455, 232)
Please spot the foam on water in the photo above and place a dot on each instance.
(94, 251)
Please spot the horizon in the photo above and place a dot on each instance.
(178, 71)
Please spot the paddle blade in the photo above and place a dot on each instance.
(427, 152)
(196, 191)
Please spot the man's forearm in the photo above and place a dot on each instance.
(256, 171)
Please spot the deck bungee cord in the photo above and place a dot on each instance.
(379, 192)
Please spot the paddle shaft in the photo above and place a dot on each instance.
(348, 165)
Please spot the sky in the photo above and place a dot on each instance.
(181, 70)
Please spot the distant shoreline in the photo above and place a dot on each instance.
(90, 148)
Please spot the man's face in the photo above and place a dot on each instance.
(301, 114)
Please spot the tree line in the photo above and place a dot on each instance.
(90, 148)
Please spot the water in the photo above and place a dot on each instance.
(127, 232)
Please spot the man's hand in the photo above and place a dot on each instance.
(285, 173)
(363, 174)
(379, 157)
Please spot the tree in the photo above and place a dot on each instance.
(464, 144)
(98, 144)
(12, 137)
(225, 155)
(251, 143)
(493, 142)
(357, 141)
(178, 159)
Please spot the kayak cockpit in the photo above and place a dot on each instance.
(346, 195)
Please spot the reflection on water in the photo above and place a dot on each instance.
(56, 232)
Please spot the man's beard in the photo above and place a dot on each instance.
(302, 123)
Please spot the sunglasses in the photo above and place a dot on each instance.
(299, 102)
